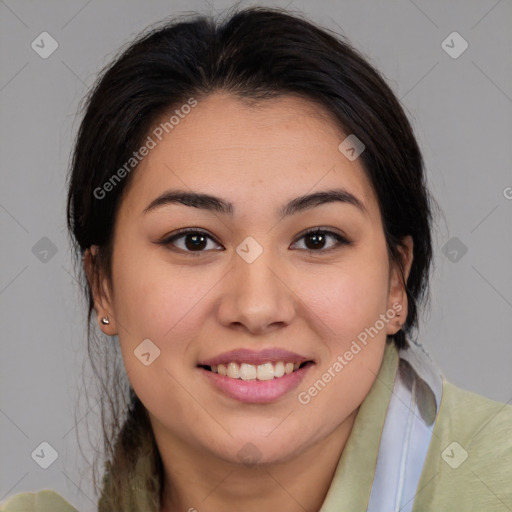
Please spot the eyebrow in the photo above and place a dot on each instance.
(217, 204)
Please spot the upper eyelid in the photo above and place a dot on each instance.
(187, 231)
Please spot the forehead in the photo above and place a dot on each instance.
(272, 150)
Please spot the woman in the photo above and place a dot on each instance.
(249, 205)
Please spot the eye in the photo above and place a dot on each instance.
(317, 238)
(195, 241)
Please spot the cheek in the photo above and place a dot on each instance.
(153, 299)
(348, 297)
(157, 302)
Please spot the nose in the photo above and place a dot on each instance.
(256, 296)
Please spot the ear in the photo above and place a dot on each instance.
(100, 290)
(397, 297)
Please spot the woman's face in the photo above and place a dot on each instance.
(248, 285)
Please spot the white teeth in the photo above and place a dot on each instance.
(279, 369)
(233, 370)
(246, 371)
(265, 371)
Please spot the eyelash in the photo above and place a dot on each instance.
(342, 241)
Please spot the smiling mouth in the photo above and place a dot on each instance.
(262, 372)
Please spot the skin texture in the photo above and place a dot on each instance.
(194, 308)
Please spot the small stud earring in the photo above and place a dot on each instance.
(105, 320)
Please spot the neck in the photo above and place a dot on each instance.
(200, 482)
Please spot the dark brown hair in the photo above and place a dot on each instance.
(255, 54)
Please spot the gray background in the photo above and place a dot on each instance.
(461, 111)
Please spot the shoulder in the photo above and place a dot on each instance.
(469, 461)
(475, 418)
(42, 501)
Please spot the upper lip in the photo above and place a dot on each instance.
(254, 357)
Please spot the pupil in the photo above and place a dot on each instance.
(195, 238)
(315, 236)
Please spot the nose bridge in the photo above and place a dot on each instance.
(256, 275)
(253, 264)
(258, 296)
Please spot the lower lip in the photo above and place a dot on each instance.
(257, 391)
